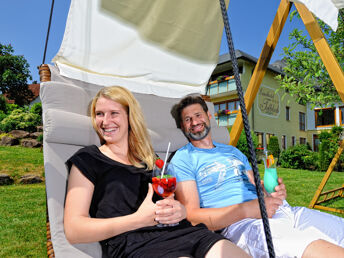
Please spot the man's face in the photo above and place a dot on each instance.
(195, 122)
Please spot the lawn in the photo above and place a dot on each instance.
(22, 207)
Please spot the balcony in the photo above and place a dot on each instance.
(222, 87)
(226, 118)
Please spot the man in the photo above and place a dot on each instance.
(215, 183)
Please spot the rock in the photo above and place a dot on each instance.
(19, 134)
(8, 141)
(30, 179)
(39, 128)
(35, 135)
(30, 143)
(5, 179)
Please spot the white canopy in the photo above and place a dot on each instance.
(325, 10)
(167, 48)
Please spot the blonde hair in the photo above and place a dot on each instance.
(140, 147)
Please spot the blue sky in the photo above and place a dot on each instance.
(24, 24)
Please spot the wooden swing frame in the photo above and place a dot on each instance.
(332, 67)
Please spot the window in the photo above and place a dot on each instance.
(267, 137)
(302, 121)
(260, 137)
(287, 113)
(302, 140)
(316, 142)
(284, 142)
(325, 117)
(293, 141)
(225, 112)
(341, 113)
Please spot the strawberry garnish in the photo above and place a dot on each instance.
(159, 163)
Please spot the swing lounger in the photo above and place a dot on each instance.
(67, 128)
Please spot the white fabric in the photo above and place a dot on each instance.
(102, 48)
(292, 230)
(325, 10)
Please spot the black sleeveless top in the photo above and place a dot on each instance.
(119, 190)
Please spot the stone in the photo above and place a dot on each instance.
(30, 143)
(6, 179)
(8, 141)
(30, 179)
(39, 128)
(19, 134)
(35, 135)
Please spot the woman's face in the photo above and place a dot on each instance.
(111, 120)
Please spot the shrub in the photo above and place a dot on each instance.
(36, 108)
(3, 104)
(40, 138)
(299, 157)
(2, 115)
(273, 146)
(242, 143)
(329, 147)
(20, 120)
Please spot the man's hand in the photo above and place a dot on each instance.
(281, 191)
(272, 204)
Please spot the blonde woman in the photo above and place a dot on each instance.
(110, 198)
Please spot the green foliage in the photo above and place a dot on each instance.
(20, 120)
(36, 108)
(14, 73)
(242, 143)
(299, 157)
(40, 138)
(273, 147)
(3, 104)
(329, 147)
(306, 77)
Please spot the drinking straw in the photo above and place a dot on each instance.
(163, 168)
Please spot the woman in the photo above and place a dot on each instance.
(109, 197)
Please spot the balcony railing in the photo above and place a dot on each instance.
(217, 87)
(226, 119)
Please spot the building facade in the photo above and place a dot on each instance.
(274, 113)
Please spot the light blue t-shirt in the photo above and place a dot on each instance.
(220, 174)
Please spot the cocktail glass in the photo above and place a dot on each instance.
(164, 184)
(270, 175)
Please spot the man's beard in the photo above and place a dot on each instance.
(199, 135)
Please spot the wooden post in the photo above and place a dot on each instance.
(44, 73)
(261, 66)
(45, 76)
(326, 176)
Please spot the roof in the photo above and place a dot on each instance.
(276, 67)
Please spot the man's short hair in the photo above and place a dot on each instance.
(177, 109)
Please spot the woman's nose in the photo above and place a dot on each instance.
(106, 119)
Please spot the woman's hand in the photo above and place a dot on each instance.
(169, 211)
(147, 210)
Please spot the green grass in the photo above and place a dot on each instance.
(22, 221)
(302, 184)
(17, 161)
(22, 207)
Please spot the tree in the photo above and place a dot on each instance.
(306, 77)
(273, 147)
(14, 73)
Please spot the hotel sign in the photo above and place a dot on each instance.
(268, 102)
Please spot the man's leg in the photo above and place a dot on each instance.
(330, 225)
(321, 248)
